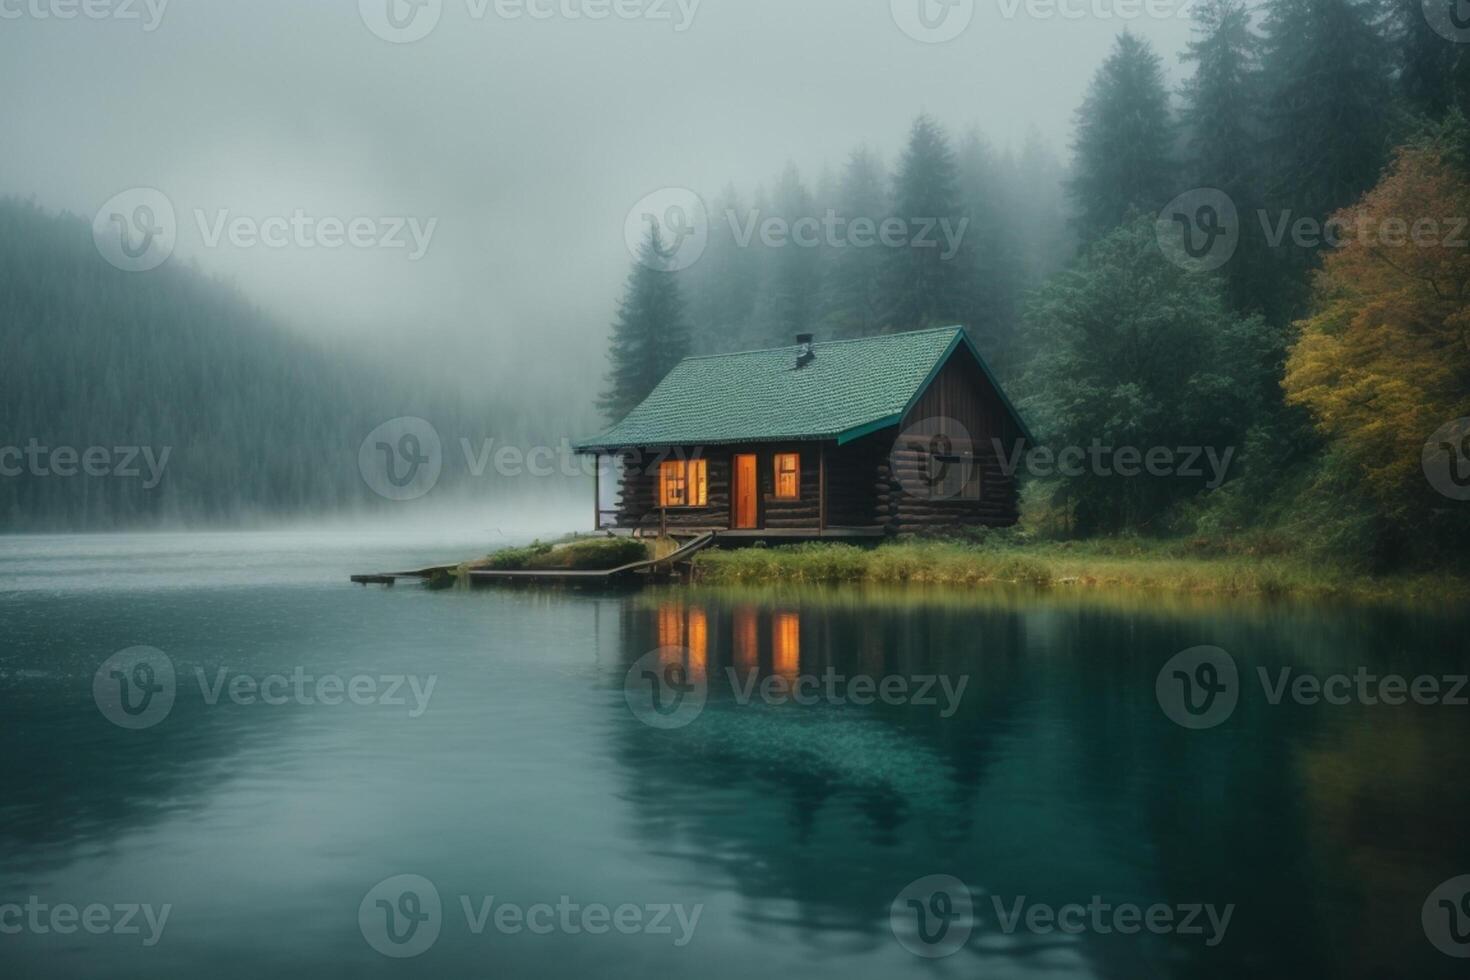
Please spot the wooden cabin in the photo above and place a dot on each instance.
(870, 437)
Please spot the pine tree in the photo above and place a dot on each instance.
(1433, 71)
(1122, 147)
(1221, 107)
(994, 262)
(924, 286)
(650, 335)
(850, 296)
(722, 286)
(1326, 74)
(793, 267)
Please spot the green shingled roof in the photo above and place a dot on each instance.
(853, 387)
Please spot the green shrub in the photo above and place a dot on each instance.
(586, 554)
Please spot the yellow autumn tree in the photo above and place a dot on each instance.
(1384, 360)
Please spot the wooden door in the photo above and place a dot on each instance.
(743, 493)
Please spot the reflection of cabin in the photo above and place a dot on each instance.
(880, 435)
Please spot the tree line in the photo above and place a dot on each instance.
(167, 397)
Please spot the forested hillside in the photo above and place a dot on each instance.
(255, 421)
(1268, 261)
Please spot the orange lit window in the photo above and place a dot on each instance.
(670, 625)
(683, 483)
(698, 636)
(788, 476)
(786, 644)
(747, 645)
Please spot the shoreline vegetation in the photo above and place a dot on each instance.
(1125, 564)
(1112, 564)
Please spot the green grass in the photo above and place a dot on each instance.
(584, 554)
(1177, 566)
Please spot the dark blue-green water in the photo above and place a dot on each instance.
(528, 777)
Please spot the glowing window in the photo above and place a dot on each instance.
(786, 644)
(788, 476)
(683, 483)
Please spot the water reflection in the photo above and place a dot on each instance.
(1058, 778)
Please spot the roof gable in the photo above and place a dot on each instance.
(851, 388)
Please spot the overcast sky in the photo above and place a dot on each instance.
(526, 139)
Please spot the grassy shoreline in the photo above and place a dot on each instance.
(1116, 564)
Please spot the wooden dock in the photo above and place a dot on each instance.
(647, 568)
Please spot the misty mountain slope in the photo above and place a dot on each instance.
(255, 420)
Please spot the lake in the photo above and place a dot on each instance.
(222, 759)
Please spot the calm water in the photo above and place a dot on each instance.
(528, 776)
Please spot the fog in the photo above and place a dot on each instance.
(526, 141)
